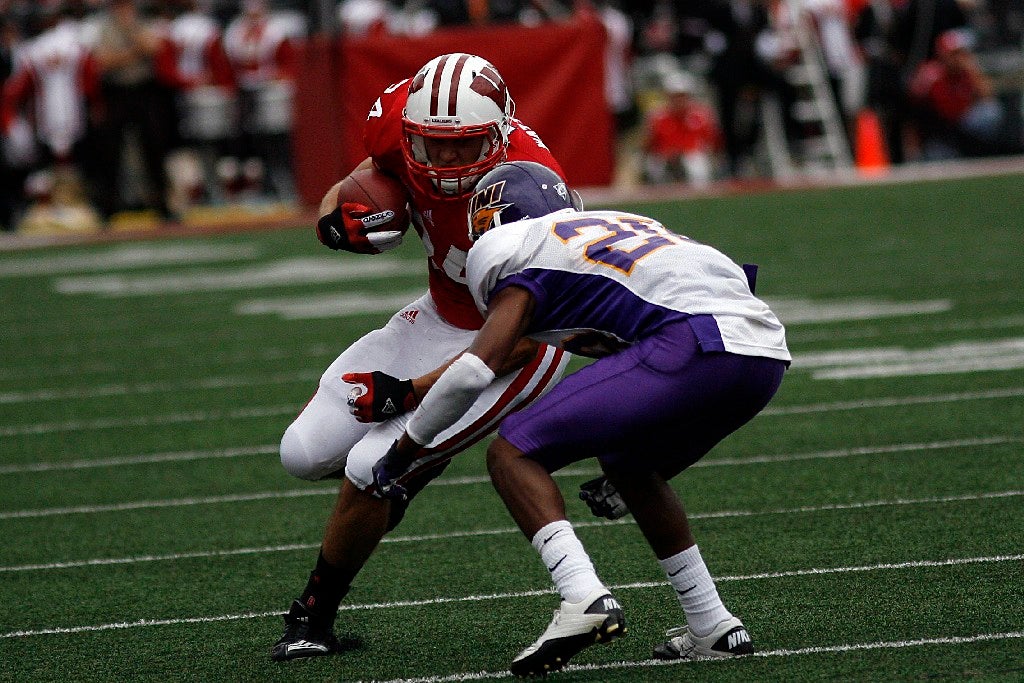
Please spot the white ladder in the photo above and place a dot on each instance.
(826, 148)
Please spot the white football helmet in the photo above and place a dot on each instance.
(461, 96)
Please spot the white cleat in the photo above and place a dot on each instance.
(597, 618)
(728, 639)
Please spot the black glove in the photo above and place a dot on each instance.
(603, 499)
(385, 396)
(387, 471)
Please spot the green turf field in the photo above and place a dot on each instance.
(868, 526)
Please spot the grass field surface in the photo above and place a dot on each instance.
(867, 526)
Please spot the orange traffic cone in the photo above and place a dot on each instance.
(871, 155)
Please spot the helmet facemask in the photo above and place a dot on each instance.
(459, 178)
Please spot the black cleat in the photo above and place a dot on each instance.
(305, 635)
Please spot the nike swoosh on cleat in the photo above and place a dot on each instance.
(678, 570)
(305, 646)
(551, 569)
(687, 590)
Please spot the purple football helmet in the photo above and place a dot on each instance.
(516, 190)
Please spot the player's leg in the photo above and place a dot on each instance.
(588, 612)
(713, 395)
(326, 439)
(607, 408)
(317, 445)
(711, 629)
(503, 397)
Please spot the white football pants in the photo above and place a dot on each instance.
(326, 437)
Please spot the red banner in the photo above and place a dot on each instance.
(555, 73)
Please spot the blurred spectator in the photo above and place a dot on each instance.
(960, 115)
(826, 28)
(363, 17)
(134, 102)
(682, 137)
(742, 76)
(53, 87)
(619, 90)
(886, 95)
(917, 24)
(193, 62)
(12, 168)
(262, 55)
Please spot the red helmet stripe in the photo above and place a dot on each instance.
(453, 91)
(435, 85)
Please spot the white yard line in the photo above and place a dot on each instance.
(815, 571)
(803, 335)
(651, 663)
(293, 271)
(149, 420)
(126, 257)
(795, 335)
(223, 382)
(275, 411)
(141, 459)
(246, 358)
(267, 449)
(720, 514)
(894, 401)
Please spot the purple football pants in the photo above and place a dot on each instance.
(661, 404)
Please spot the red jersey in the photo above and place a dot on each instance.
(671, 132)
(950, 94)
(440, 221)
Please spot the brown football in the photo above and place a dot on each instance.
(366, 185)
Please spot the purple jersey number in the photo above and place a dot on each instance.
(607, 250)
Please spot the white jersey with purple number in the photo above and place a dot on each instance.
(604, 279)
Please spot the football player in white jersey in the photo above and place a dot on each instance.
(686, 355)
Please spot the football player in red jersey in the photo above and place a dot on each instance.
(438, 132)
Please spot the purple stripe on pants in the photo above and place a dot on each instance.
(661, 404)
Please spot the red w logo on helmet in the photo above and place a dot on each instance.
(488, 84)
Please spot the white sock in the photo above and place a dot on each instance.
(696, 590)
(566, 559)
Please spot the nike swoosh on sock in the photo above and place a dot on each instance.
(551, 569)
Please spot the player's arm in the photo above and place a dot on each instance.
(461, 384)
(524, 351)
(378, 396)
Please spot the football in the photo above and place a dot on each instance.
(382, 193)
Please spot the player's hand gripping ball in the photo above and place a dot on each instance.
(370, 213)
